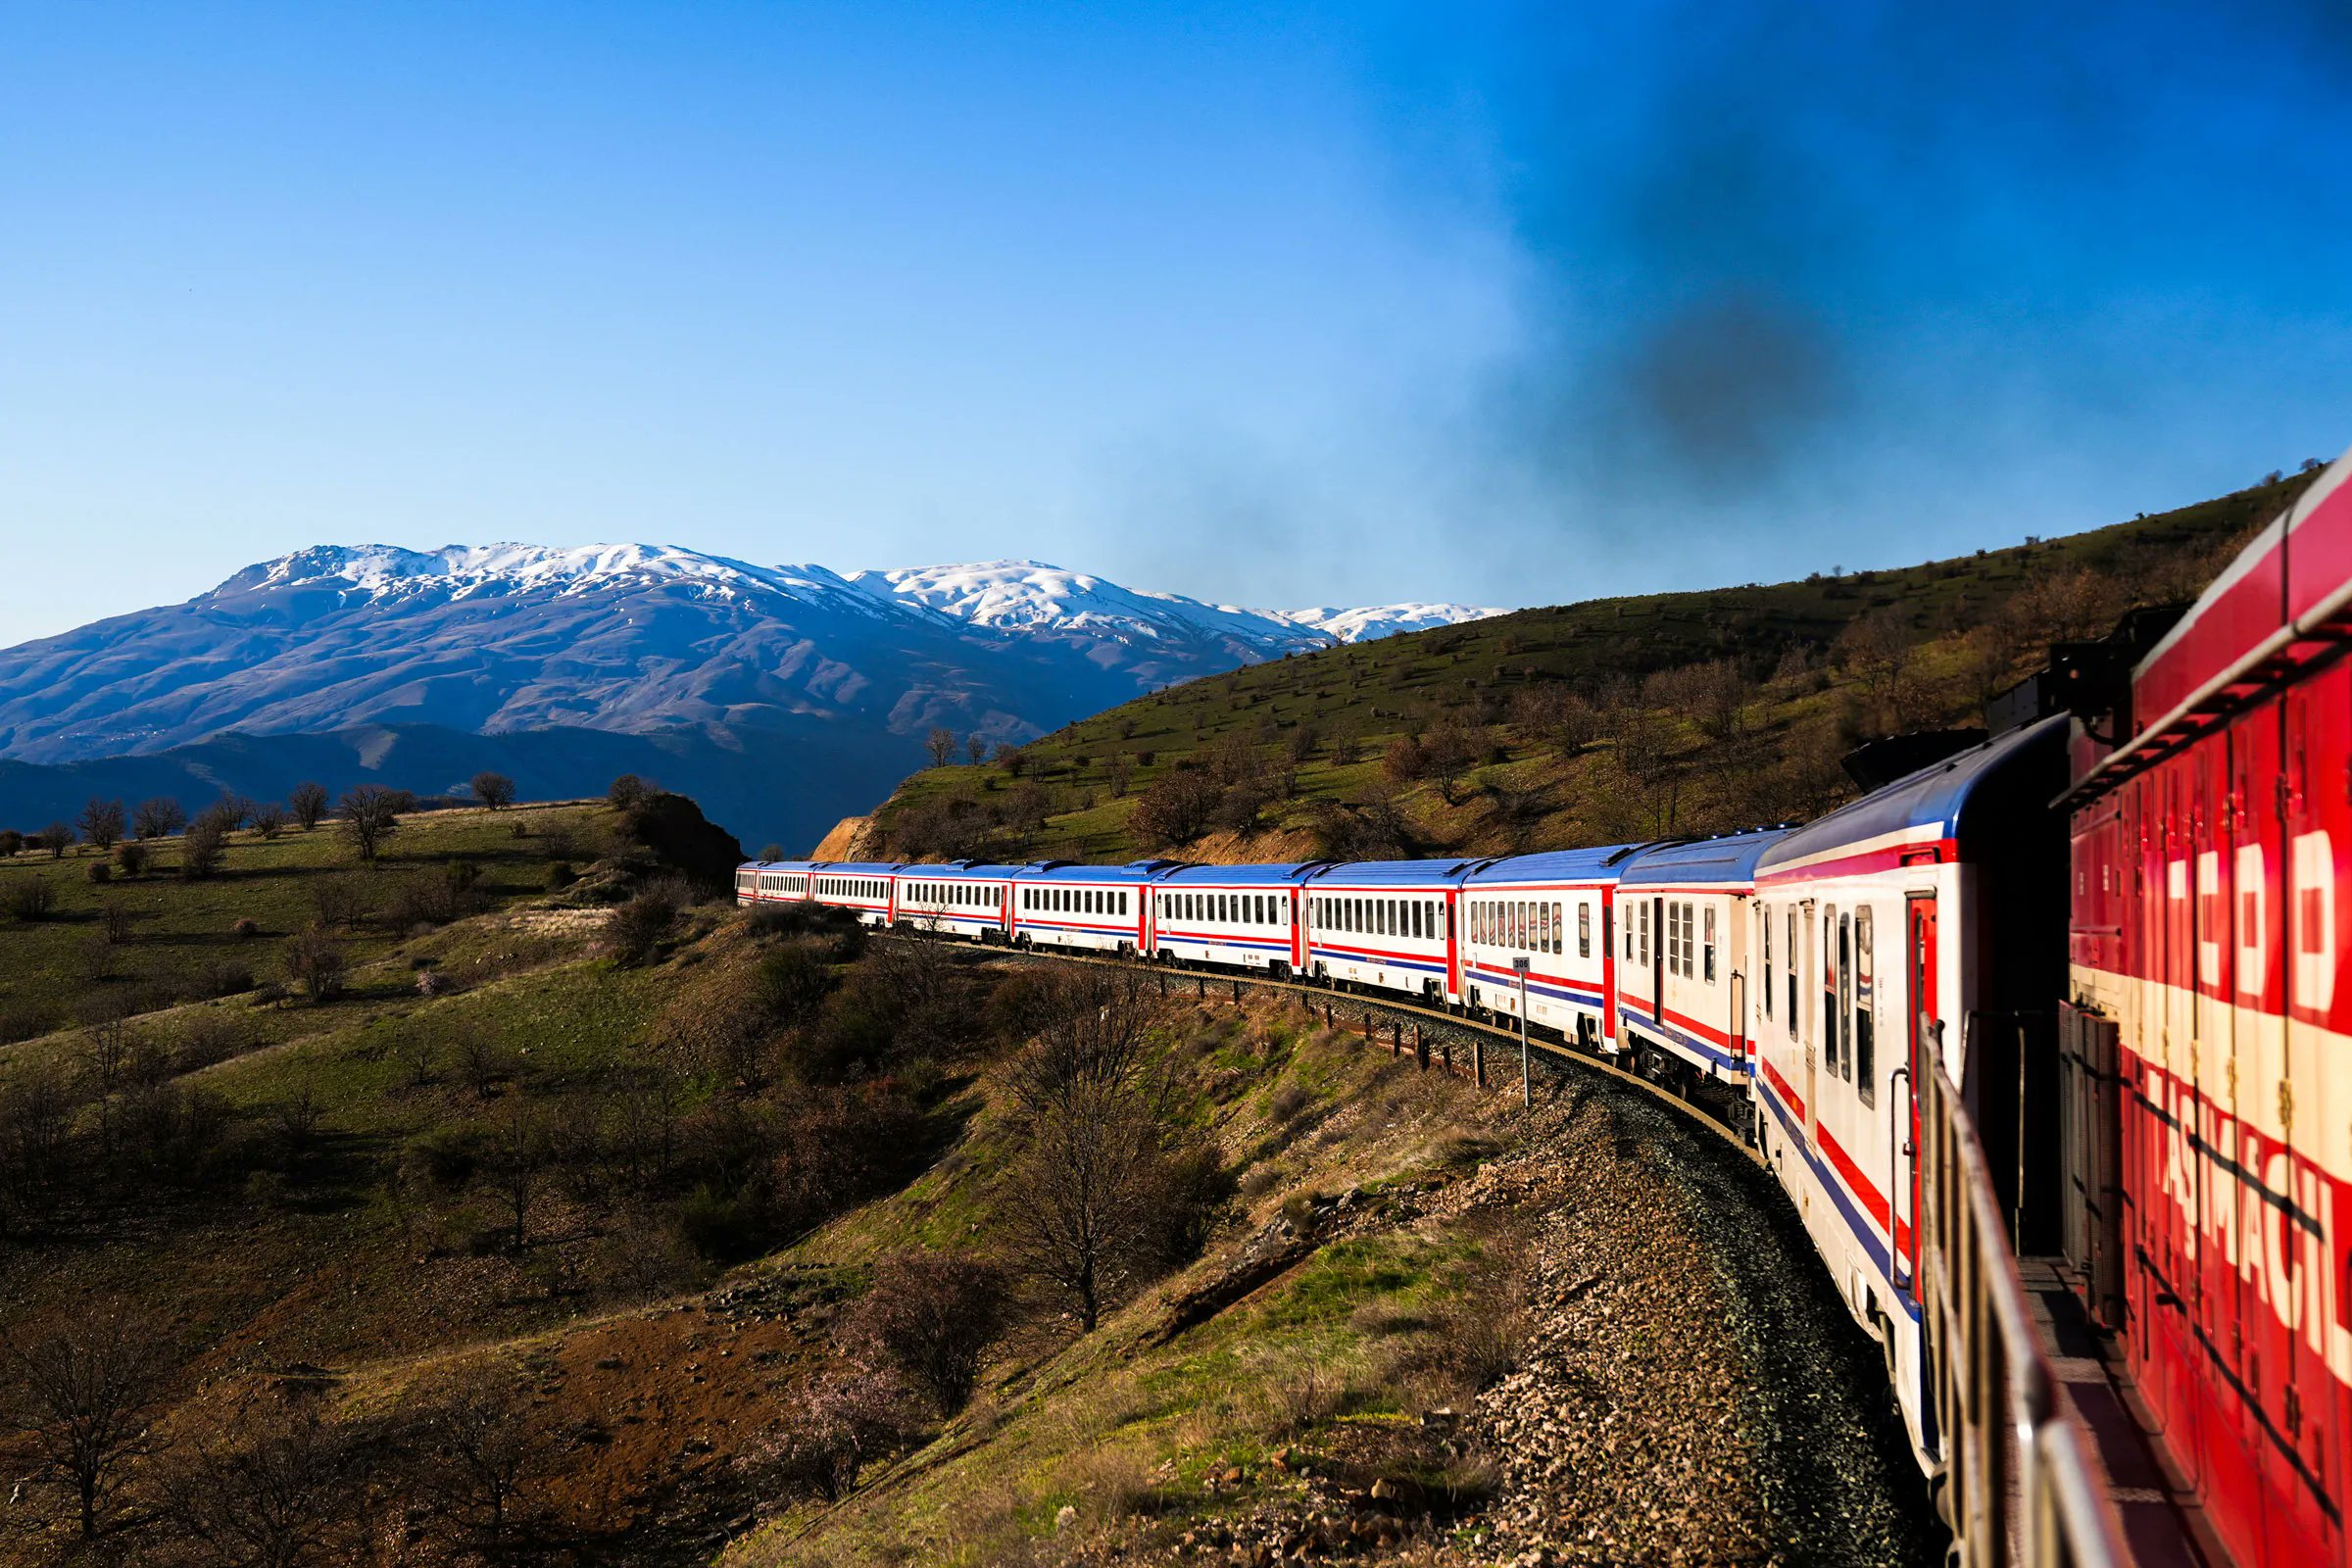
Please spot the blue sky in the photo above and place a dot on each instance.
(1277, 305)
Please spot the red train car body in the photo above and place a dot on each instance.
(2210, 821)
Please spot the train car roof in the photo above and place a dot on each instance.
(1286, 873)
(1729, 857)
(1601, 864)
(1936, 797)
(962, 871)
(1396, 873)
(854, 868)
(777, 865)
(1071, 871)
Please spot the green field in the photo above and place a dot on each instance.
(183, 939)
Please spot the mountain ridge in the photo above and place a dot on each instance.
(720, 660)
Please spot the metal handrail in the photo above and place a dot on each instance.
(2018, 1489)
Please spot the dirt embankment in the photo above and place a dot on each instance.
(852, 839)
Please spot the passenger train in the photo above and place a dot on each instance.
(2117, 925)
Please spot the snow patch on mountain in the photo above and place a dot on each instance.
(1385, 621)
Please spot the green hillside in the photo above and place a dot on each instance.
(601, 1223)
(1609, 719)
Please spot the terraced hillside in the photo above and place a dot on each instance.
(1594, 722)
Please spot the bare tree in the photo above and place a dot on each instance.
(270, 820)
(827, 1435)
(1177, 809)
(202, 846)
(627, 791)
(270, 1485)
(158, 816)
(516, 1166)
(308, 803)
(101, 824)
(1085, 1196)
(940, 744)
(1119, 769)
(493, 790)
(56, 838)
(483, 1451)
(36, 1139)
(82, 1398)
(370, 816)
(316, 964)
(933, 1315)
(975, 749)
(1450, 751)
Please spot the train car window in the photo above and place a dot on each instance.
(1790, 966)
(1833, 982)
(1583, 930)
(1709, 975)
(1641, 946)
(1519, 924)
(1845, 991)
(1866, 1044)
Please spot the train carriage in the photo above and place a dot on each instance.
(1686, 967)
(1058, 903)
(772, 881)
(1247, 916)
(1916, 924)
(1389, 924)
(866, 889)
(1557, 911)
(2212, 860)
(958, 898)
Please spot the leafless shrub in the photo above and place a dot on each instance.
(931, 1316)
(830, 1432)
(267, 1483)
(316, 964)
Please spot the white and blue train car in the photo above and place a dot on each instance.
(772, 881)
(1552, 910)
(1386, 924)
(958, 897)
(866, 889)
(1924, 922)
(1060, 904)
(1245, 917)
(1685, 965)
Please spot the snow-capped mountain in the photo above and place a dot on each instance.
(706, 653)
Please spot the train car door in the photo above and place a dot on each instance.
(1657, 968)
(1812, 1001)
(1457, 992)
(1294, 899)
(1919, 1043)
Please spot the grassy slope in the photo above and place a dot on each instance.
(57, 967)
(357, 1267)
(1404, 685)
(1131, 1421)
